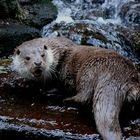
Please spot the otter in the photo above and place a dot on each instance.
(30, 60)
(99, 77)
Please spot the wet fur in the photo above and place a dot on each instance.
(98, 76)
(102, 77)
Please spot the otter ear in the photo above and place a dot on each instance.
(17, 51)
(45, 47)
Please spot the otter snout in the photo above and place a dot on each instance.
(37, 70)
(38, 64)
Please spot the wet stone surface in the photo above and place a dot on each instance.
(28, 111)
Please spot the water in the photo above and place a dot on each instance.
(113, 24)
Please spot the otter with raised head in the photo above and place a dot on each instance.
(98, 76)
(31, 61)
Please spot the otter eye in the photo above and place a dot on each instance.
(17, 51)
(45, 47)
(27, 58)
(42, 55)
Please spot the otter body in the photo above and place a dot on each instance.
(98, 76)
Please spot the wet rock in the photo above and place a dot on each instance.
(130, 14)
(13, 34)
(39, 13)
(21, 21)
(29, 12)
(121, 39)
(131, 38)
(8, 8)
(98, 1)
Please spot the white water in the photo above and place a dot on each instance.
(64, 12)
(75, 9)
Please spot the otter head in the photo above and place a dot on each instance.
(32, 62)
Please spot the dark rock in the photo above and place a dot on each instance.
(27, 1)
(8, 8)
(30, 12)
(39, 14)
(98, 1)
(13, 34)
(19, 20)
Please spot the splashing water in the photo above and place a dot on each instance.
(64, 12)
(71, 10)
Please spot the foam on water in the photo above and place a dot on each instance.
(68, 11)
(64, 13)
(105, 21)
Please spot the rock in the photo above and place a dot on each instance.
(13, 34)
(30, 12)
(131, 38)
(121, 39)
(98, 1)
(39, 14)
(130, 14)
(21, 21)
(8, 8)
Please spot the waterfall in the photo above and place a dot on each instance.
(79, 9)
(64, 12)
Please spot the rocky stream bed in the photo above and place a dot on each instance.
(30, 110)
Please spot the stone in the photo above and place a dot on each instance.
(130, 14)
(13, 34)
(8, 8)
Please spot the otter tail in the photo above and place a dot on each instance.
(134, 93)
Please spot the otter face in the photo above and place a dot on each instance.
(32, 62)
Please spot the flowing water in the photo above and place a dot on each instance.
(110, 24)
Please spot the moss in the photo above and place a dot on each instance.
(5, 62)
(20, 13)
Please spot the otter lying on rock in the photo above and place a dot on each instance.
(98, 76)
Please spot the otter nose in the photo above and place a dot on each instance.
(38, 64)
